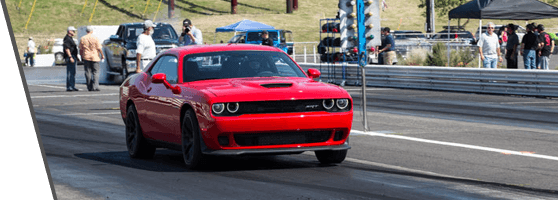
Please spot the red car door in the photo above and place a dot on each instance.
(162, 107)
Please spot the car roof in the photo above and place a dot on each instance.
(190, 49)
(141, 24)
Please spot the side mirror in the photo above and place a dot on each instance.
(162, 78)
(115, 38)
(283, 40)
(159, 78)
(314, 73)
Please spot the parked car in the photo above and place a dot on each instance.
(233, 100)
(282, 39)
(120, 49)
(456, 34)
(520, 31)
(408, 34)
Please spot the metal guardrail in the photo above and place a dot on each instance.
(542, 83)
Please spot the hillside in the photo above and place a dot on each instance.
(50, 18)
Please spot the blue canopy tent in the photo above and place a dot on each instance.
(243, 25)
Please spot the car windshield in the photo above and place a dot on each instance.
(256, 36)
(164, 32)
(239, 64)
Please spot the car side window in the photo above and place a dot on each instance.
(167, 65)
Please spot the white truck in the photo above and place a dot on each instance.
(101, 32)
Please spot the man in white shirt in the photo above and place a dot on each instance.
(489, 47)
(30, 52)
(190, 34)
(146, 50)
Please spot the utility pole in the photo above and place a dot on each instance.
(234, 3)
(171, 9)
(289, 6)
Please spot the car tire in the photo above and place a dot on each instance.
(137, 145)
(191, 141)
(59, 58)
(331, 156)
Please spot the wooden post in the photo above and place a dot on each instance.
(289, 6)
(234, 3)
(295, 4)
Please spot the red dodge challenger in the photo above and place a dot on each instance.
(233, 99)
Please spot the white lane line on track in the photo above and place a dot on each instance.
(50, 86)
(504, 151)
(369, 89)
(107, 113)
(76, 95)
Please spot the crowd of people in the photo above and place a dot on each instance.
(535, 47)
(90, 50)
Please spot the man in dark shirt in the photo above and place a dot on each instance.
(386, 51)
(265, 39)
(528, 48)
(511, 47)
(546, 46)
(70, 54)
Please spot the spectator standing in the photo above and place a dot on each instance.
(489, 47)
(31, 50)
(90, 49)
(146, 50)
(511, 47)
(386, 51)
(70, 54)
(265, 39)
(546, 46)
(538, 50)
(190, 34)
(528, 48)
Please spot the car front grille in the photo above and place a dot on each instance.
(281, 138)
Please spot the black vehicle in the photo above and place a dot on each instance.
(120, 49)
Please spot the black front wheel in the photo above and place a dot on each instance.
(191, 141)
(331, 156)
(137, 146)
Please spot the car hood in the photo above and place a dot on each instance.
(267, 89)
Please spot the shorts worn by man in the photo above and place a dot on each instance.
(489, 47)
(90, 49)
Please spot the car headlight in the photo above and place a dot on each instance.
(342, 103)
(131, 53)
(232, 107)
(328, 103)
(218, 108)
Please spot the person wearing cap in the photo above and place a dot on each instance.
(386, 51)
(546, 46)
(146, 50)
(265, 39)
(90, 49)
(30, 52)
(511, 47)
(70, 54)
(528, 48)
(190, 34)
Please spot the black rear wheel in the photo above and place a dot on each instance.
(191, 141)
(137, 146)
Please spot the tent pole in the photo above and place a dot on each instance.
(480, 36)
(448, 44)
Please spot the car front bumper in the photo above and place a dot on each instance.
(277, 133)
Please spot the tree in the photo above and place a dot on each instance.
(443, 7)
